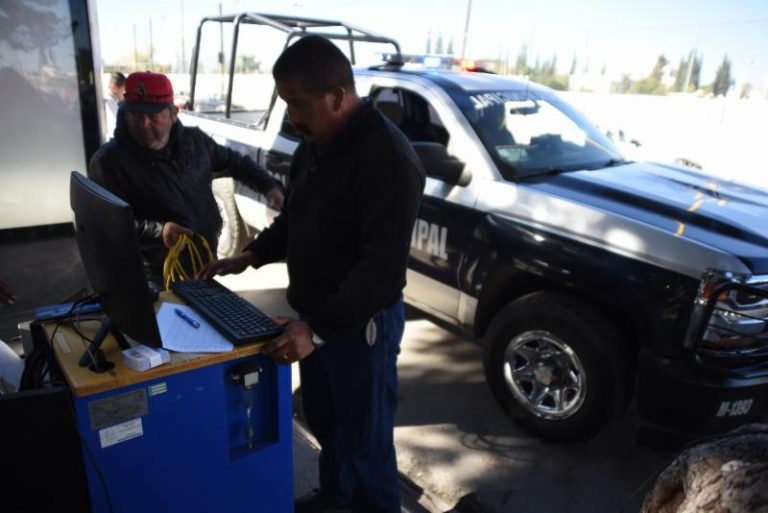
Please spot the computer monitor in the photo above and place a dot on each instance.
(109, 248)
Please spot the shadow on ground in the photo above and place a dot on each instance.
(41, 266)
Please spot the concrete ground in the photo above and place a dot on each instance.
(456, 448)
(459, 450)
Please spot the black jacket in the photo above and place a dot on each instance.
(345, 229)
(172, 184)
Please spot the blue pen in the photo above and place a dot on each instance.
(187, 318)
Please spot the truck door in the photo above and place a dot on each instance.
(446, 218)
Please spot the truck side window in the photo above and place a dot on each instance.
(412, 114)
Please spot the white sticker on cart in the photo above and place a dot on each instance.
(120, 433)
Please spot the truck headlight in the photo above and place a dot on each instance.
(730, 312)
(737, 319)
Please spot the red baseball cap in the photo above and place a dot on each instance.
(147, 92)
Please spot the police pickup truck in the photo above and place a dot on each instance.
(591, 280)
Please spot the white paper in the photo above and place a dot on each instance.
(178, 335)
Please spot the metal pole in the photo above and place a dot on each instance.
(690, 61)
(221, 51)
(183, 49)
(151, 49)
(466, 29)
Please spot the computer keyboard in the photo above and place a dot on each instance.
(235, 318)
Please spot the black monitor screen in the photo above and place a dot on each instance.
(109, 248)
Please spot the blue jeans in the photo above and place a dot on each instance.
(349, 387)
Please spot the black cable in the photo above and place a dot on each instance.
(84, 443)
(74, 324)
(36, 364)
(39, 363)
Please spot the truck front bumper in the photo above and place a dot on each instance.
(681, 397)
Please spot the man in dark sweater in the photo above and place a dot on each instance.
(354, 191)
(164, 171)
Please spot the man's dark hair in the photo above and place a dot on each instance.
(318, 63)
(117, 78)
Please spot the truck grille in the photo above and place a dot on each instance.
(735, 336)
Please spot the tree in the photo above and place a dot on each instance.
(658, 68)
(439, 44)
(429, 42)
(521, 63)
(623, 86)
(652, 83)
(682, 74)
(723, 80)
(694, 84)
(573, 65)
(449, 51)
(248, 64)
(546, 74)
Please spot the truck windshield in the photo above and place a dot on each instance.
(529, 134)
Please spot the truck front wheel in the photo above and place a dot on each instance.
(557, 365)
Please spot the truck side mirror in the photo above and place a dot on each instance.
(439, 164)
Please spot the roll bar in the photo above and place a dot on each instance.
(293, 27)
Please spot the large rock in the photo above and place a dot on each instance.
(721, 474)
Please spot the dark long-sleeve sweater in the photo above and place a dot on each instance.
(346, 227)
(172, 184)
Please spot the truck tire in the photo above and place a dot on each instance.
(557, 365)
(233, 235)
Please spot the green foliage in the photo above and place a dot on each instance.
(723, 80)
(649, 85)
(546, 74)
(248, 64)
(658, 68)
(556, 82)
(623, 86)
(682, 74)
(521, 63)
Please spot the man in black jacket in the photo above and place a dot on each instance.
(353, 196)
(164, 171)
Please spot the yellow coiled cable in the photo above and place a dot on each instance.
(173, 270)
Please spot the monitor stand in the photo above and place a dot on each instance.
(93, 357)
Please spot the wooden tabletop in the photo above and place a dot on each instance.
(68, 347)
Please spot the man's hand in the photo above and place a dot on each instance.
(231, 265)
(275, 198)
(294, 344)
(172, 232)
(6, 297)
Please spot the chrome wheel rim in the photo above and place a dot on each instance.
(544, 374)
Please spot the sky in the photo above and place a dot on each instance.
(622, 36)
